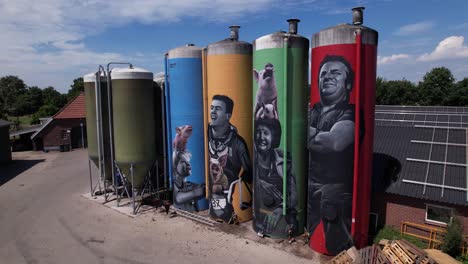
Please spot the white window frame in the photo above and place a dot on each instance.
(430, 221)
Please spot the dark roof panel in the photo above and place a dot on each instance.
(396, 143)
(4, 123)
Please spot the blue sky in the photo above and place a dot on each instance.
(51, 42)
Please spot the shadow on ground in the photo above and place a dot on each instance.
(15, 168)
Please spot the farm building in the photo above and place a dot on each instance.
(66, 130)
(21, 139)
(420, 168)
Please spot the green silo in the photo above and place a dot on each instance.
(280, 67)
(133, 104)
(89, 81)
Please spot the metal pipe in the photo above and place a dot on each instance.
(101, 128)
(205, 122)
(285, 122)
(168, 119)
(358, 17)
(293, 25)
(90, 177)
(97, 88)
(133, 189)
(234, 32)
(357, 129)
(164, 123)
(82, 135)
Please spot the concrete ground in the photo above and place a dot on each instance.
(44, 219)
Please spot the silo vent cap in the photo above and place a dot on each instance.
(234, 32)
(293, 25)
(358, 16)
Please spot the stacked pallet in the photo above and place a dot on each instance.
(402, 251)
(393, 252)
(349, 256)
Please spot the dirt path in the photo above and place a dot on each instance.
(44, 219)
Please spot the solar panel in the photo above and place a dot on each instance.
(434, 109)
(441, 116)
(446, 165)
(433, 151)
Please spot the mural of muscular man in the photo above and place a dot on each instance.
(331, 148)
(229, 156)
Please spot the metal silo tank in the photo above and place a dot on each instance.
(133, 104)
(341, 112)
(228, 121)
(89, 82)
(185, 129)
(280, 68)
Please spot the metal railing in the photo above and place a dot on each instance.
(431, 235)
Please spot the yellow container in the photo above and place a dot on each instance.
(227, 66)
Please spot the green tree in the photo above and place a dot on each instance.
(400, 92)
(53, 97)
(459, 94)
(76, 88)
(436, 86)
(45, 111)
(11, 87)
(28, 102)
(452, 241)
(379, 90)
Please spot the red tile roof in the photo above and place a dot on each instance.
(76, 108)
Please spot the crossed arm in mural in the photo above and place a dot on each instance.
(337, 139)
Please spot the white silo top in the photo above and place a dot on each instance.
(133, 73)
(91, 77)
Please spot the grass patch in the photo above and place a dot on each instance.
(391, 233)
(24, 121)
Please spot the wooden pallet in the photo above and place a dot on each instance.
(392, 256)
(421, 256)
(342, 258)
(393, 252)
(402, 254)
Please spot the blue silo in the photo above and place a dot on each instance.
(185, 131)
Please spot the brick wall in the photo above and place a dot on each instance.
(394, 209)
(53, 135)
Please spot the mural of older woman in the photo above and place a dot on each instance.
(268, 182)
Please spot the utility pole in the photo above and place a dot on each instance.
(82, 136)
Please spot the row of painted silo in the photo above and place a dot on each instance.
(231, 103)
(336, 134)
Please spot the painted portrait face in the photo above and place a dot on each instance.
(332, 82)
(183, 167)
(218, 113)
(263, 138)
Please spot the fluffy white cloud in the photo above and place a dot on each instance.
(42, 41)
(392, 58)
(415, 28)
(450, 48)
(450, 52)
